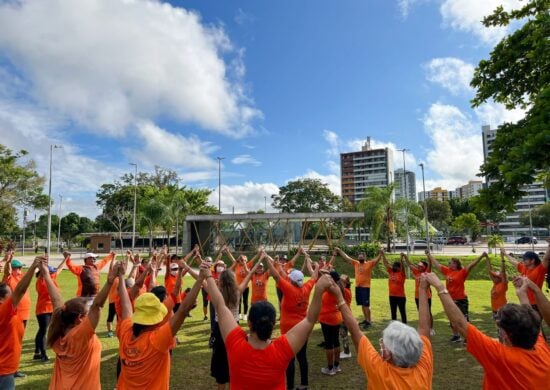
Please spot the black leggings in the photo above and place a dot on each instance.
(302, 361)
(398, 302)
(244, 300)
(40, 339)
(331, 335)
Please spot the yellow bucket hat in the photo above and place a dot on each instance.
(148, 310)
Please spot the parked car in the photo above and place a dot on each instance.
(420, 244)
(526, 240)
(439, 240)
(457, 240)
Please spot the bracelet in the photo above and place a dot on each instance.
(209, 276)
(340, 303)
(444, 291)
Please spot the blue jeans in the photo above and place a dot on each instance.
(7, 382)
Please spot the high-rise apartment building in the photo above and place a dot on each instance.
(437, 193)
(364, 169)
(536, 195)
(405, 184)
(469, 190)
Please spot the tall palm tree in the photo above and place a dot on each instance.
(379, 209)
(152, 214)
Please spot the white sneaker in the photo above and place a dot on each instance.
(432, 332)
(337, 369)
(327, 371)
(240, 316)
(344, 355)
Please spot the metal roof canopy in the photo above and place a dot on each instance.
(274, 216)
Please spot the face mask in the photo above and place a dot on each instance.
(395, 269)
(173, 273)
(361, 260)
(220, 269)
(300, 283)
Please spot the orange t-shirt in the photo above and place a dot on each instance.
(259, 287)
(330, 314)
(44, 301)
(11, 334)
(241, 272)
(417, 274)
(294, 304)
(498, 294)
(113, 292)
(145, 360)
(251, 369)
(510, 367)
(363, 273)
(169, 285)
(77, 270)
(24, 306)
(77, 359)
(537, 275)
(396, 283)
(347, 296)
(455, 282)
(382, 374)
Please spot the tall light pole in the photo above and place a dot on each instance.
(265, 204)
(530, 219)
(135, 203)
(220, 183)
(425, 206)
(59, 225)
(49, 235)
(403, 193)
(24, 221)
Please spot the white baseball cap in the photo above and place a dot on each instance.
(90, 254)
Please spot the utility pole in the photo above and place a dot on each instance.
(425, 206)
(220, 183)
(135, 203)
(403, 193)
(49, 235)
(59, 225)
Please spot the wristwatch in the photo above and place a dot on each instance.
(444, 291)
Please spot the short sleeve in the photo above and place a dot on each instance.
(426, 360)
(163, 337)
(85, 330)
(482, 347)
(284, 350)
(367, 356)
(283, 284)
(7, 311)
(444, 270)
(123, 327)
(234, 337)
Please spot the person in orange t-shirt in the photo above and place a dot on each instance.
(455, 276)
(145, 341)
(293, 310)
(363, 272)
(255, 360)
(532, 267)
(396, 287)
(521, 361)
(11, 326)
(12, 276)
(417, 270)
(284, 267)
(259, 284)
(500, 285)
(331, 319)
(72, 337)
(395, 366)
(242, 267)
(44, 310)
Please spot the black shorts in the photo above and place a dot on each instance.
(331, 334)
(204, 298)
(362, 296)
(429, 303)
(463, 306)
(219, 365)
(112, 312)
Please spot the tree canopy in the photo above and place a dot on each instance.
(305, 195)
(517, 74)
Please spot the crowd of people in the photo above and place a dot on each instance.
(149, 315)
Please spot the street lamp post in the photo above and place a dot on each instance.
(135, 202)
(403, 192)
(425, 207)
(530, 220)
(59, 225)
(220, 183)
(49, 235)
(265, 204)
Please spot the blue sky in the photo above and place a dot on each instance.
(277, 88)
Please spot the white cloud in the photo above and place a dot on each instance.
(495, 114)
(332, 181)
(245, 197)
(466, 15)
(110, 72)
(405, 6)
(246, 159)
(410, 159)
(334, 143)
(456, 153)
(450, 73)
(164, 148)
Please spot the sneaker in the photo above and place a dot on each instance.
(344, 355)
(432, 332)
(364, 322)
(110, 334)
(205, 318)
(367, 325)
(37, 356)
(240, 316)
(19, 374)
(328, 371)
(45, 359)
(455, 339)
(337, 369)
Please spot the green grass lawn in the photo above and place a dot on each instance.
(454, 368)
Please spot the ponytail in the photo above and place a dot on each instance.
(64, 318)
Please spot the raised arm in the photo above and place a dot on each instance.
(298, 335)
(23, 284)
(522, 284)
(272, 270)
(95, 310)
(508, 257)
(183, 310)
(381, 255)
(476, 261)
(308, 264)
(7, 266)
(423, 308)
(248, 276)
(432, 260)
(405, 260)
(225, 318)
(349, 319)
(344, 256)
(453, 312)
(546, 258)
(110, 257)
(296, 255)
(385, 261)
(125, 302)
(57, 300)
(66, 255)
